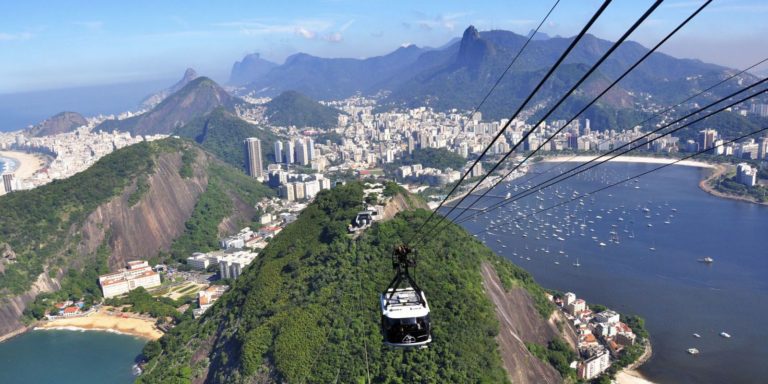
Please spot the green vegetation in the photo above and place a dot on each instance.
(75, 285)
(306, 309)
(558, 354)
(293, 108)
(201, 230)
(187, 159)
(511, 275)
(439, 158)
(140, 301)
(222, 133)
(37, 223)
(142, 187)
(727, 184)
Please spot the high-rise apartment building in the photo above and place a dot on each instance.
(253, 160)
(279, 152)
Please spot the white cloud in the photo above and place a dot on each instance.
(305, 33)
(15, 36)
(447, 21)
(307, 29)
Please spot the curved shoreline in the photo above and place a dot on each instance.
(105, 322)
(630, 159)
(631, 374)
(25, 164)
(719, 170)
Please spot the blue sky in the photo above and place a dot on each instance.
(49, 45)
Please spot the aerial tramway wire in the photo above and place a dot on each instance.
(553, 180)
(488, 94)
(582, 196)
(655, 115)
(514, 59)
(562, 99)
(551, 70)
(594, 100)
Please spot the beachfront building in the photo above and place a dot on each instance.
(577, 306)
(137, 273)
(232, 265)
(9, 184)
(746, 174)
(596, 364)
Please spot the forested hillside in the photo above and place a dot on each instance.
(222, 133)
(139, 202)
(306, 311)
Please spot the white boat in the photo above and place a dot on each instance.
(723, 334)
(602, 244)
(693, 351)
(707, 260)
(696, 335)
(577, 264)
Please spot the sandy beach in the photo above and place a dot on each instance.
(629, 159)
(102, 321)
(27, 164)
(631, 377)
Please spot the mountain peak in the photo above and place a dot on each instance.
(473, 48)
(471, 33)
(59, 123)
(249, 69)
(189, 74)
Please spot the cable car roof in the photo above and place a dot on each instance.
(404, 304)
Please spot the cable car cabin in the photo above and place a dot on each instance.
(405, 318)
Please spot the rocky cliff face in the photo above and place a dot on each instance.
(140, 231)
(12, 307)
(133, 229)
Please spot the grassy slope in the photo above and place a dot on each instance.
(306, 311)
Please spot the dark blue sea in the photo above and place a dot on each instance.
(653, 271)
(66, 357)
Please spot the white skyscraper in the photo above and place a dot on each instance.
(253, 160)
(289, 152)
(310, 148)
(279, 152)
(302, 153)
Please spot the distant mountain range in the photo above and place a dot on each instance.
(59, 123)
(460, 74)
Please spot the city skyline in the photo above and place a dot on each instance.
(112, 49)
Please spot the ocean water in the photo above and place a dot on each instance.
(69, 357)
(677, 295)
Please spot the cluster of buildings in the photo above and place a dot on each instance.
(602, 336)
(236, 253)
(247, 238)
(137, 273)
(68, 308)
(71, 152)
(231, 263)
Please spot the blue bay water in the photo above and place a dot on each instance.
(69, 357)
(676, 294)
